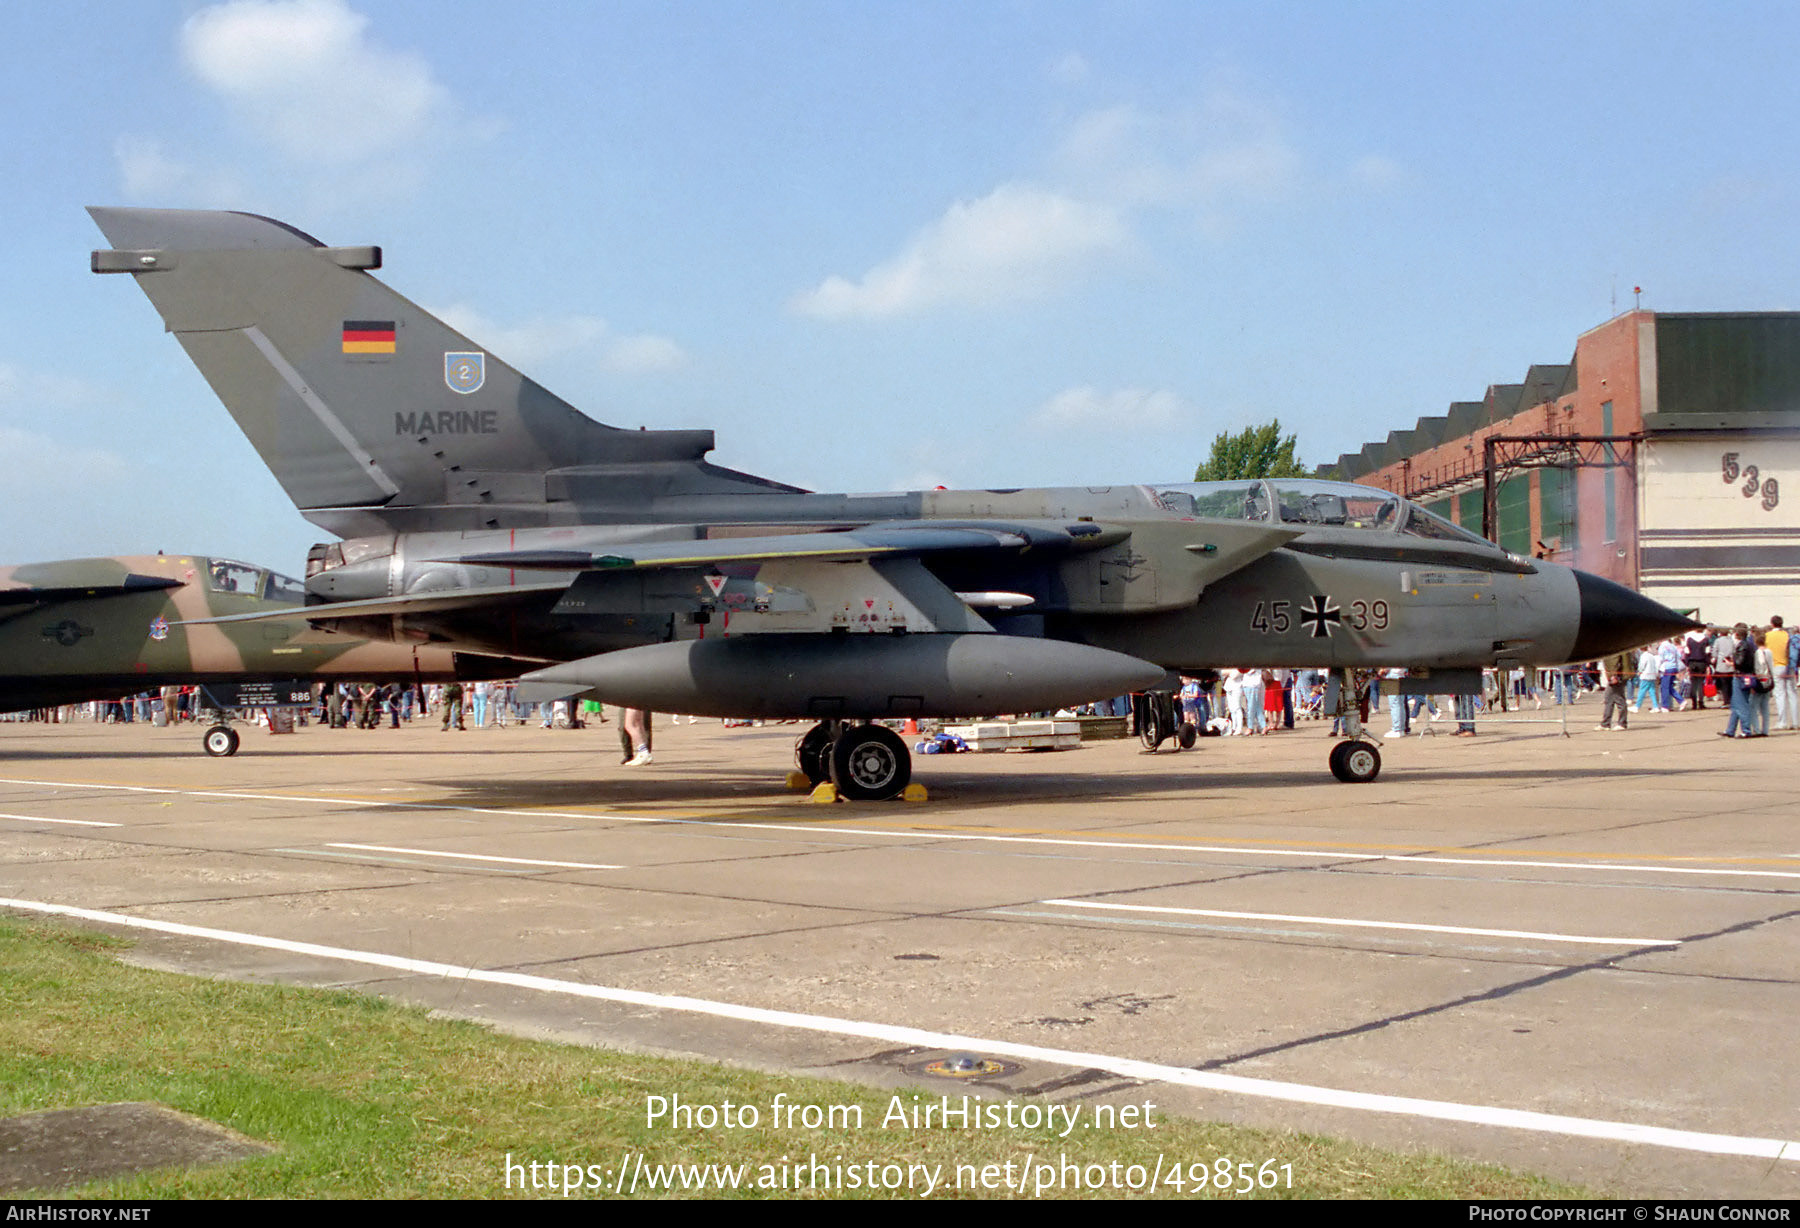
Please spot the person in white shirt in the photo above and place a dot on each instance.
(1233, 682)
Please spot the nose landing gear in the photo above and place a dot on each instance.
(1358, 760)
(1355, 762)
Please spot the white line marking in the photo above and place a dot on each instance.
(1589, 865)
(1194, 926)
(1372, 925)
(796, 829)
(511, 861)
(390, 861)
(33, 818)
(1443, 1110)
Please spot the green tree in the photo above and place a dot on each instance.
(1254, 452)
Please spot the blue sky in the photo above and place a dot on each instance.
(879, 246)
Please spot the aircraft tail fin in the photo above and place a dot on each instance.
(375, 415)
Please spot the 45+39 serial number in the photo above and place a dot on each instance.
(1278, 616)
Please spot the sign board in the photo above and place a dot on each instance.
(284, 694)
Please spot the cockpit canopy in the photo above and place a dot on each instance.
(1295, 501)
(229, 576)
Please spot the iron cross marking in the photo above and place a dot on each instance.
(1321, 615)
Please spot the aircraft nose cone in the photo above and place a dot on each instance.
(1614, 618)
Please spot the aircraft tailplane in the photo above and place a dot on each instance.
(375, 415)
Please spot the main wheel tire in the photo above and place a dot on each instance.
(1187, 735)
(1150, 730)
(812, 753)
(1356, 763)
(869, 763)
(220, 740)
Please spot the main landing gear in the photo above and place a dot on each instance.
(1159, 719)
(1358, 760)
(867, 763)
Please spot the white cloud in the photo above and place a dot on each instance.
(643, 353)
(927, 463)
(1122, 410)
(1115, 150)
(1217, 162)
(320, 100)
(305, 76)
(1070, 69)
(28, 391)
(1018, 241)
(38, 464)
(148, 173)
(47, 501)
(1212, 158)
(1376, 171)
(538, 340)
(922, 479)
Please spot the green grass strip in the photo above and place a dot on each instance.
(367, 1099)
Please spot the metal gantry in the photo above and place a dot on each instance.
(1502, 455)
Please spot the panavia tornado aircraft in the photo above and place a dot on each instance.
(482, 511)
(102, 628)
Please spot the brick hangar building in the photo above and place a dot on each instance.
(1665, 455)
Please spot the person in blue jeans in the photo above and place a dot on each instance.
(1399, 711)
(1743, 659)
(1668, 659)
(1465, 716)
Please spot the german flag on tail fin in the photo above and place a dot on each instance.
(368, 336)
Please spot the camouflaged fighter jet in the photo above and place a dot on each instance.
(480, 510)
(102, 628)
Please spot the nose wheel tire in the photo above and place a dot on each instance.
(869, 763)
(220, 740)
(1355, 763)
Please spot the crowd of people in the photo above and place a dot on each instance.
(1745, 671)
(1259, 702)
(1748, 672)
(369, 705)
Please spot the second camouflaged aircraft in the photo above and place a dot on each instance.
(103, 628)
(483, 511)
